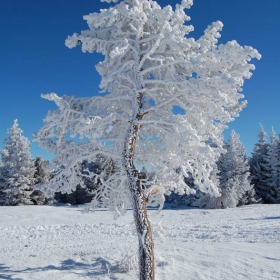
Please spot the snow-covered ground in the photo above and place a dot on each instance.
(46, 242)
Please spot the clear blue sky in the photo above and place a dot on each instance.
(34, 59)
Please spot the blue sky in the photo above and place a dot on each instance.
(34, 59)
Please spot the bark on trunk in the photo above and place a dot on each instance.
(139, 201)
(143, 228)
(145, 239)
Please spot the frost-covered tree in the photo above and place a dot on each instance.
(151, 65)
(41, 175)
(235, 184)
(18, 169)
(278, 172)
(271, 166)
(2, 185)
(259, 168)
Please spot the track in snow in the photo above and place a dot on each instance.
(43, 242)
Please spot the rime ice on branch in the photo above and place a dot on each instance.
(150, 65)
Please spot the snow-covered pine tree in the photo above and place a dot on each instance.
(18, 168)
(2, 184)
(271, 166)
(151, 64)
(278, 171)
(234, 174)
(259, 168)
(41, 175)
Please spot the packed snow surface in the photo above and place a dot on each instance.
(48, 242)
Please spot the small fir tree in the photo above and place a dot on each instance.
(234, 174)
(278, 171)
(18, 168)
(272, 169)
(258, 167)
(41, 175)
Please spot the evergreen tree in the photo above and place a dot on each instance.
(272, 169)
(278, 172)
(18, 169)
(259, 169)
(234, 174)
(2, 184)
(41, 175)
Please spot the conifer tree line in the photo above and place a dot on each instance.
(21, 176)
(241, 180)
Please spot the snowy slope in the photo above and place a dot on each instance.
(46, 242)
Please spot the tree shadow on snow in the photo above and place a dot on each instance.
(264, 218)
(6, 273)
(97, 267)
(272, 218)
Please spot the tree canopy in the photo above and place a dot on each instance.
(151, 65)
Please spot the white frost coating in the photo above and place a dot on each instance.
(234, 174)
(17, 169)
(151, 64)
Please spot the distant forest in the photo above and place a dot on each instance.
(241, 180)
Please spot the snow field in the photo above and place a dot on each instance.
(45, 242)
